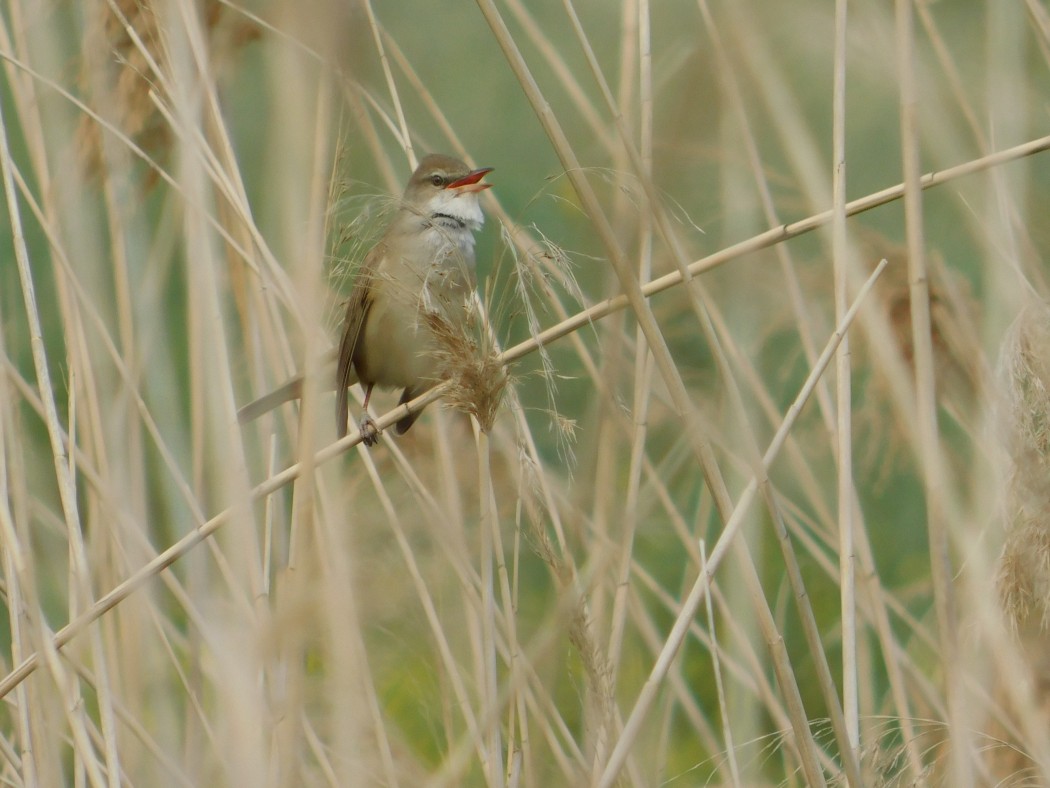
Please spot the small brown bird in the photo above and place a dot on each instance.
(423, 266)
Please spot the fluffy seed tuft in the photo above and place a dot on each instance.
(477, 376)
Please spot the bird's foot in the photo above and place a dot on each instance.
(369, 431)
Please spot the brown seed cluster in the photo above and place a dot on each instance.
(477, 377)
(125, 67)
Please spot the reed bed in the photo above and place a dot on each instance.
(739, 476)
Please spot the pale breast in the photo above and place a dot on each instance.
(397, 347)
(434, 273)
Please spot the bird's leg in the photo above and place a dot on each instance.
(369, 430)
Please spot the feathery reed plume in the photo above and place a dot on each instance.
(952, 315)
(477, 377)
(274, 636)
(1024, 568)
(125, 65)
(1023, 571)
(960, 377)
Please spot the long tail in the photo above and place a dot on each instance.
(289, 390)
(293, 389)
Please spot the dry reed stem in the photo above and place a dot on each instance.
(690, 604)
(728, 75)
(930, 451)
(492, 759)
(65, 479)
(583, 318)
(785, 674)
(773, 638)
(842, 266)
(591, 206)
(661, 353)
(723, 704)
(567, 78)
(644, 373)
(523, 690)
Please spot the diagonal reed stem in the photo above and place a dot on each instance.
(763, 240)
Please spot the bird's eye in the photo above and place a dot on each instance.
(436, 179)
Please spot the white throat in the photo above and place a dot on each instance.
(454, 210)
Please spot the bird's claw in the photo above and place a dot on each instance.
(369, 431)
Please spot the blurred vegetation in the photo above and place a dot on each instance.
(197, 182)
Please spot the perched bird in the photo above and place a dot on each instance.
(422, 270)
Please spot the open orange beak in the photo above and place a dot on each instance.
(471, 182)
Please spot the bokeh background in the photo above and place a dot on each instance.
(702, 543)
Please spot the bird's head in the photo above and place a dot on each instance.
(443, 187)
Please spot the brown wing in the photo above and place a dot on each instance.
(408, 395)
(353, 329)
